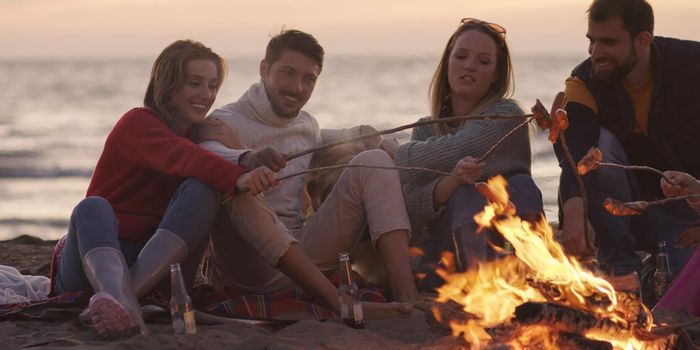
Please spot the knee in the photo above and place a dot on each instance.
(200, 192)
(373, 157)
(522, 185)
(464, 203)
(92, 206)
(612, 149)
(526, 196)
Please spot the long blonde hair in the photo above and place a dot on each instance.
(169, 72)
(439, 90)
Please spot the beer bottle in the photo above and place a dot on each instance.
(181, 309)
(662, 275)
(349, 295)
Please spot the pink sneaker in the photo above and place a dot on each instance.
(108, 317)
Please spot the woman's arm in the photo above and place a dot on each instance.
(474, 139)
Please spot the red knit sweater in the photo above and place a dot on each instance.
(142, 164)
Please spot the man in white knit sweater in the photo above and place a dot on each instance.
(259, 236)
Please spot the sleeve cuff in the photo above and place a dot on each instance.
(232, 155)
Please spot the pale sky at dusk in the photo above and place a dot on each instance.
(130, 28)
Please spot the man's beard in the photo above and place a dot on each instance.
(281, 113)
(618, 73)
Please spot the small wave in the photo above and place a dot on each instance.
(44, 173)
(44, 222)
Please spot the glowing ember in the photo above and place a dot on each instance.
(553, 294)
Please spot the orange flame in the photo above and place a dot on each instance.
(491, 291)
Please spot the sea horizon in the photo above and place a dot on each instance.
(55, 115)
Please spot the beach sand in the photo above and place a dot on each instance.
(31, 256)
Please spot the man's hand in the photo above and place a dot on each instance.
(468, 169)
(372, 142)
(267, 156)
(256, 181)
(217, 130)
(389, 145)
(572, 235)
(681, 184)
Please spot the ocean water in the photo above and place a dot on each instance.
(55, 116)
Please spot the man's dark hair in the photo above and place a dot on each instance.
(295, 40)
(637, 15)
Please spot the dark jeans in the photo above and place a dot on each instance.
(458, 218)
(93, 224)
(614, 234)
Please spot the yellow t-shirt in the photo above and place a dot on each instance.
(640, 95)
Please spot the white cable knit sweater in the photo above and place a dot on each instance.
(259, 127)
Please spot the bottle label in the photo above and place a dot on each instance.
(344, 310)
(178, 325)
(357, 312)
(190, 325)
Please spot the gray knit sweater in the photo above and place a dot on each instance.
(474, 138)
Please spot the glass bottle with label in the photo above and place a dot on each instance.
(662, 275)
(181, 308)
(349, 295)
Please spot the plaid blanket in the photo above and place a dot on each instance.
(290, 305)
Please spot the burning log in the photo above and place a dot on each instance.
(564, 319)
(555, 293)
(441, 315)
(576, 341)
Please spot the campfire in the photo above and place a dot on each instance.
(539, 298)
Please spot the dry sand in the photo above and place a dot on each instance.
(31, 256)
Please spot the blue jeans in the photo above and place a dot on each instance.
(93, 224)
(458, 218)
(614, 234)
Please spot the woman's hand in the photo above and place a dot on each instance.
(468, 169)
(217, 130)
(256, 181)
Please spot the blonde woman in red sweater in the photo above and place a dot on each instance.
(153, 196)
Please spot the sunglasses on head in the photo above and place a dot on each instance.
(496, 28)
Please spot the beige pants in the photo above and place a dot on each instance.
(247, 242)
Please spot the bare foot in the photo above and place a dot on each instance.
(107, 316)
(381, 311)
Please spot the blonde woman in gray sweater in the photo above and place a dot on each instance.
(474, 76)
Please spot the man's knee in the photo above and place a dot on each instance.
(612, 149)
(373, 157)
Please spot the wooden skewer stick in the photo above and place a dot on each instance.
(673, 199)
(404, 127)
(505, 137)
(636, 167)
(341, 166)
(581, 189)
